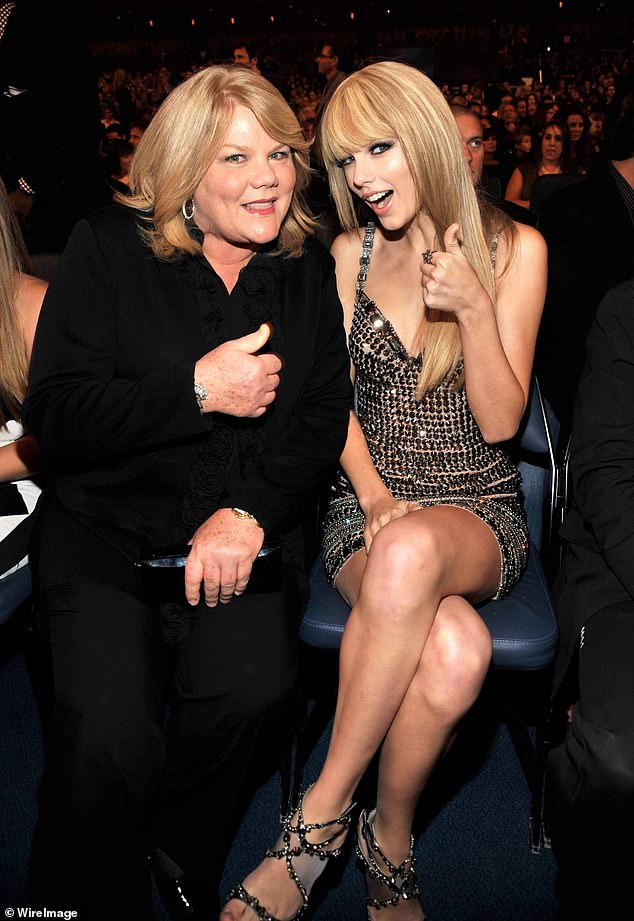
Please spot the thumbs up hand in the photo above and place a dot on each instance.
(449, 282)
(238, 381)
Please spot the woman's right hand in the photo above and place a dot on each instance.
(380, 512)
(238, 380)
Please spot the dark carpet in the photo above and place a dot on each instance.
(474, 859)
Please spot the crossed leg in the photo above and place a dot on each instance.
(413, 658)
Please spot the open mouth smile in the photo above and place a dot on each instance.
(264, 207)
(379, 200)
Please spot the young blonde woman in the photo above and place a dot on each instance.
(21, 296)
(442, 303)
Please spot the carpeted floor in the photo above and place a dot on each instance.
(473, 855)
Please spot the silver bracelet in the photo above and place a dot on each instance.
(25, 187)
(201, 395)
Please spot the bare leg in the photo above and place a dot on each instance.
(451, 671)
(414, 564)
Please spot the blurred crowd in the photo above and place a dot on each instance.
(576, 84)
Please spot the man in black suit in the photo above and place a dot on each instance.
(589, 230)
(591, 771)
(49, 142)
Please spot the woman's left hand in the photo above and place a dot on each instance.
(449, 282)
(222, 553)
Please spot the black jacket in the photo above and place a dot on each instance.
(590, 238)
(598, 567)
(111, 402)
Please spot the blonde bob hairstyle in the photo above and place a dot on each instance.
(183, 138)
(393, 100)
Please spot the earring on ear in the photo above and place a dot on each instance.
(188, 209)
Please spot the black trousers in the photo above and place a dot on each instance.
(117, 775)
(590, 781)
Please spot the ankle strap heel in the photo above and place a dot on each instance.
(291, 846)
(397, 882)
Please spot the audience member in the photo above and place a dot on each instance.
(522, 144)
(328, 66)
(470, 130)
(138, 128)
(117, 162)
(123, 99)
(550, 158)
(493, 172)
(394, 528)
(115, 132)
(581, 150)
(157, 358)
(590, 235)
(472, 136)
(595, 130)
(242, 57)
(591, 772)
(21, 296)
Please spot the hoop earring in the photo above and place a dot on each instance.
(188, 207)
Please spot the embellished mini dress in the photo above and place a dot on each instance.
(429, 451)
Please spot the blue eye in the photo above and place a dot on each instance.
(380, 147)
(234, 158)
(280, 155)
(345, 161)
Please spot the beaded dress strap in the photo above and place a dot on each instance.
(364, 258)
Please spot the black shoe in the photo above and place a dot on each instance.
(184, 897)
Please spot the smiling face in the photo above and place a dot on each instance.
(379, 175)
(246, 192)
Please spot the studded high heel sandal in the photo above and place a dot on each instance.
(305, 861)
(386, 884)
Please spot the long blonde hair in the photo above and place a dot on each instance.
(14, 259)
(183, 138)
(390, 99)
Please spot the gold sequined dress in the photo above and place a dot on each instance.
(429, 451)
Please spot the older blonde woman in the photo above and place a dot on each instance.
(442, 303)
(158, 396)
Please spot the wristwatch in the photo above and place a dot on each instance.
(245, 516)
(201, 395)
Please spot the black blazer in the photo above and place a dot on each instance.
(590, 238)
(111, 402)
(598, 567)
